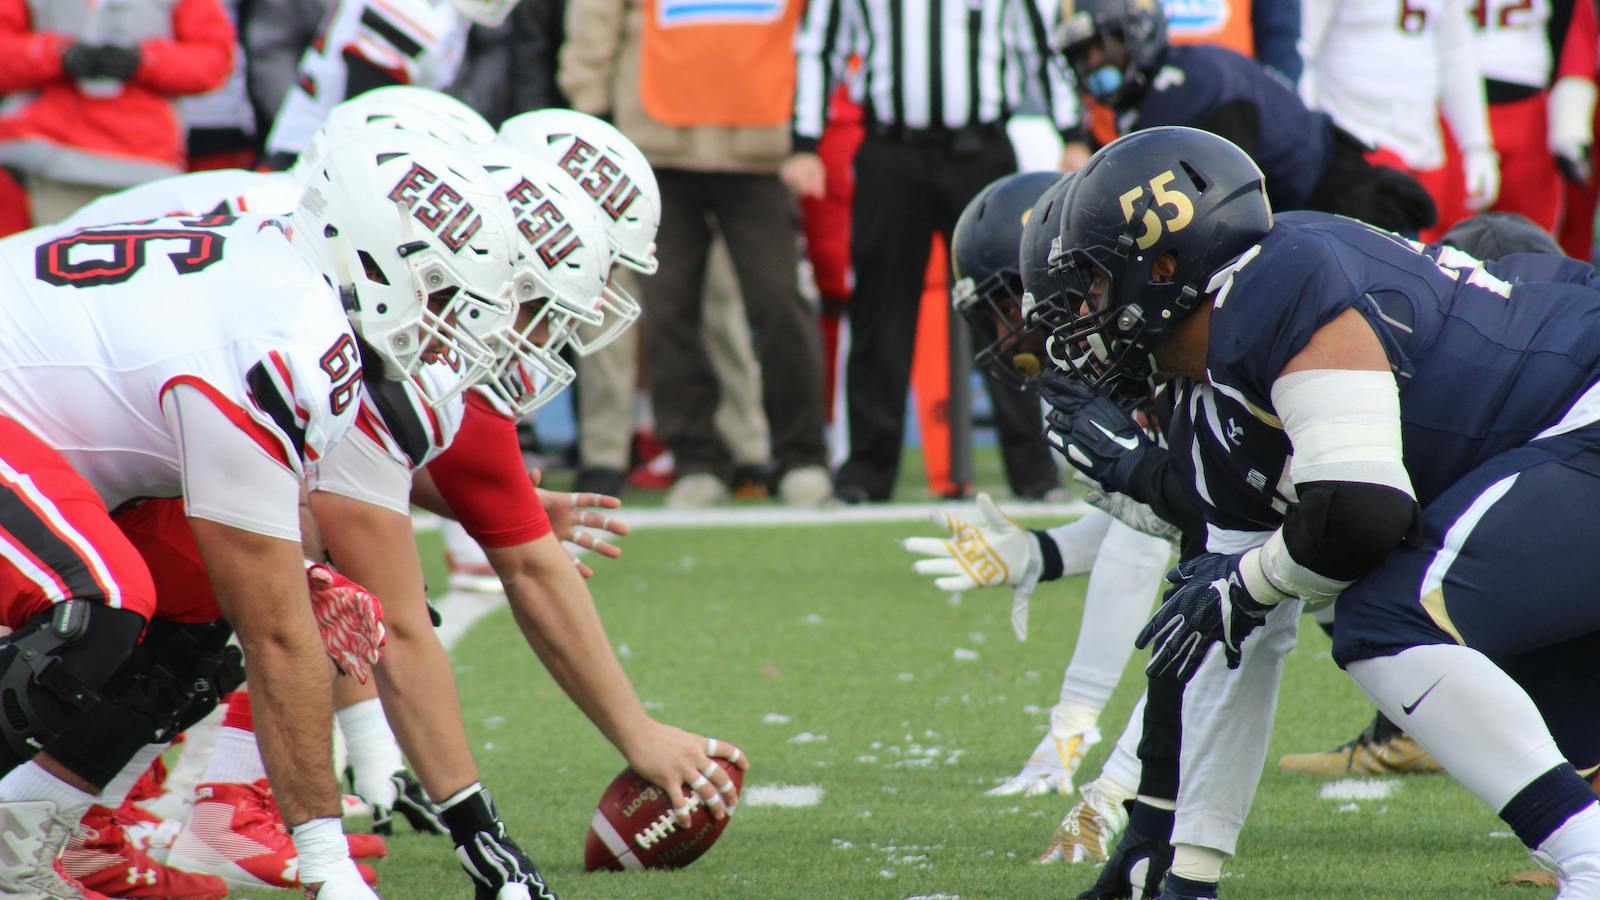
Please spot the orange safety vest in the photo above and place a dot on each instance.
(1225, 23)
(719, 62)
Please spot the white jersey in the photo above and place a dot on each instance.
(421, 42)
(1510, 38)
(99, 324)
(1381, 72)
(219, 191)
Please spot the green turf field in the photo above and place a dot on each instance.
(819, 652)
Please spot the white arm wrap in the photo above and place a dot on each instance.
(1344, 425)
(227, 477)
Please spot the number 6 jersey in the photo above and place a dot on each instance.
(100, 326)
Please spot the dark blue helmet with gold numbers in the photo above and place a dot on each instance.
(1148, 222)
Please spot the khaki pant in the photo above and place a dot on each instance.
(608, 398)
(50, 201)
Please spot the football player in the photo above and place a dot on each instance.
(128, 370)
(1383, 428)
(1125, 564)
(1119, 53)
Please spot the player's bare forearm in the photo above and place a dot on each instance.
(553, 607)
(375, 546)
(260, 583)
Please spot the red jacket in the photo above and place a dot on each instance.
(54, 129)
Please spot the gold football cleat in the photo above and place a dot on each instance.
(1382, 749)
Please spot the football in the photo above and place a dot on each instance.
(633, 827)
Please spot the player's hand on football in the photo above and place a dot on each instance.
(1097, 435)
(679, 762)
(570, 512)
(1208, 603)
(350, 620)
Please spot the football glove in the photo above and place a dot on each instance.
(1130, 512)
(350, 620)
(990, 552)
(1481, 169)
(1094, 433)
(1208, 602)
(1135, 868)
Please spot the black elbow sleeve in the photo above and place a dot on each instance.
(1344, 529)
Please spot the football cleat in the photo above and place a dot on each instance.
(236, 833)
(1382, 749)
(102, 857)
(1051, 767)
(1088, 830)
(147, 831)
(412, 803)
(1136, 868)
(32, 833)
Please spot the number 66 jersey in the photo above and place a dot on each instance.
(101, 327)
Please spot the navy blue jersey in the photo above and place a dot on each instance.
(1482, 366)
(1223, 92)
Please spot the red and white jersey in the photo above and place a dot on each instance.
(99, 324)
(1510, 38)
(1380, 68)
(214, 192)
(418, 42)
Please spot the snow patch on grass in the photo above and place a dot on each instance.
(1359, 789)
(788, 796)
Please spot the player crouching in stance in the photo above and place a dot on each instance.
(1413, 418)
(209, 358)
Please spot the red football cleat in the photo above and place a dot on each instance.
(76, 884)
(102, 858)
(235, 832)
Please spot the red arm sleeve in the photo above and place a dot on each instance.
(1580, 50)
(28, 59)
(482, 479)
(199, 56)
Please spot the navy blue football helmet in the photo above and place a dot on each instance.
(1185, 198)
(988, 282)
(1138, 27)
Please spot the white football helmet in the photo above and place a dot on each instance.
(615, 174)
(419, 243)
(564, 260)
(473, 127)
(488, 13)
(360, 114)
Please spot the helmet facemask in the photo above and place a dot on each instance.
(1011, 353)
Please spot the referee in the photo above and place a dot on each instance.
(940, 78)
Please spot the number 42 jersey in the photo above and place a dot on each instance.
(98, 324)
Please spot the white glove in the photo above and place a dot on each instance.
(1572, 101)
(992, 552)
(1130, 512)
(1481, 165)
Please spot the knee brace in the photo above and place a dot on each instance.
(53, 670)
(171, 681)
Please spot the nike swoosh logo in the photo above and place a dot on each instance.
(1126, 443)
(1412, 706)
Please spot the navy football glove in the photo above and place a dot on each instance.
(1094, 433)
(1135, 868)
(1207, 603)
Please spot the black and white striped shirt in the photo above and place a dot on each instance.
(929, 64)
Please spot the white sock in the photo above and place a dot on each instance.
(1478, 723)
(374, 753)
(1079, 541)
(322, 849)
(464, 551)
(30, 781)
(117, 791)
(1122, 586)
(1122, 767)
(1197, 863)
(1575, 845)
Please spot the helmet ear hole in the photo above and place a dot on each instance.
(1194, 177)
(371, 267)
(1162, 267)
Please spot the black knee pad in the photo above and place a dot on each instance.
(171, 681)
(54, 669)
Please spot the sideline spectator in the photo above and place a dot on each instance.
(95, 85)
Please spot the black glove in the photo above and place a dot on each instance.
(1207, 603)
(118, 62)
(1094, 433)
(81, 61)
(487, 853)
(1116, 877)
